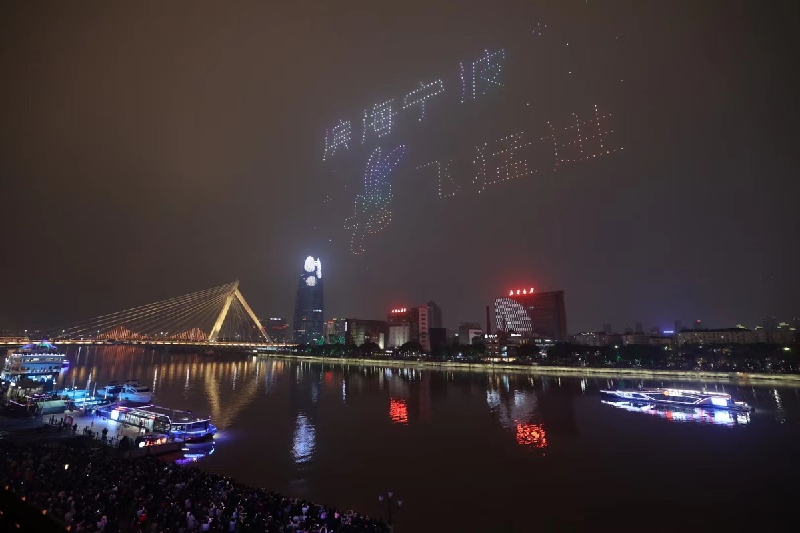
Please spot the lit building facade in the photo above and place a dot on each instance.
(533, 314)
(735, 336)
(415, 321)
(309, 308)
(277, 329)
(358, 332)
(592, 338)
(334, 331)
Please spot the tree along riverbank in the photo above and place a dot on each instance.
(556, 371)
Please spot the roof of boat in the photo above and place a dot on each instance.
(37, 346)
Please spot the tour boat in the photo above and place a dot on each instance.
(135, 393)
(178, 425)
(37, 361)
(681, 397)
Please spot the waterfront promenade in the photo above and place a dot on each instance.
(555, 371)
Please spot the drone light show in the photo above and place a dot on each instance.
(474, 128)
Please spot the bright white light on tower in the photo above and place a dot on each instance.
(309, 265)
(311, 281)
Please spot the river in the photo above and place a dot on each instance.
(471, 451)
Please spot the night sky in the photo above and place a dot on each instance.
(153, 149)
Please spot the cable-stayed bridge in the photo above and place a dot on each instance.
(216, 317)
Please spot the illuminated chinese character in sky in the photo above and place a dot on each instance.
(378, 120)
(446, 184)
(581, 140)
(500, 161)
(420, 95)
(479, 77)
(337, 137)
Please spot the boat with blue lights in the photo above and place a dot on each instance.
(679, 397)
(177, 425)
(35, 362)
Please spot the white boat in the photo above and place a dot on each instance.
(680, 397)
(37, 361)
(135, 393)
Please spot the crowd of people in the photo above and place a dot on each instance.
(90, 489)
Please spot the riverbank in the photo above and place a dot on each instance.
(556, 371)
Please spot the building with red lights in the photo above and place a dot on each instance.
(409, 324)
(532, 314)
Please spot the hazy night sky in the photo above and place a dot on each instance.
(151, 149)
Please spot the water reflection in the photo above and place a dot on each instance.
(702, 416)
(194, 453)
(303, 440)
(398, 411)
(517, 410)
(532, 435)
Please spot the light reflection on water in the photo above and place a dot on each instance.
(398, 411)
(325, 431)
(304, 440)
(703, 416)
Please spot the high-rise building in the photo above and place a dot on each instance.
(607, 329)
(334, 331)
(409, 324)
(277, 329)
(639, 328)
(677, 327)
(529, 313)
(309, 306)
(434, 315)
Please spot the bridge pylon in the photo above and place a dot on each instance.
(211, 316)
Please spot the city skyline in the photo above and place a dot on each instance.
(420, 150)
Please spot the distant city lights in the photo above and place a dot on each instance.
(399, 310)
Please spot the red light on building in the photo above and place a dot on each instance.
(399, 310)
(398, 411)
(512, 292)
(532, 435)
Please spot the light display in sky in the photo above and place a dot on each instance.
(478, 146)
(338, 137)
(418, 96)
(481, 76)
(500, 161)
(378, 120)
(447, 187)
(580, 140)
(372, 211)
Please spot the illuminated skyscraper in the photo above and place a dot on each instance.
(309, 308)
(529, 313)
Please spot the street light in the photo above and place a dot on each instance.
(390, 503)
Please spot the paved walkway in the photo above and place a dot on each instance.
(95, 424)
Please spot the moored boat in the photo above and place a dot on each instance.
(135, 393)
(178, 425)
(680, 397)
(36, 362)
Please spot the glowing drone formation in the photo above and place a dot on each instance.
(371, 213)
